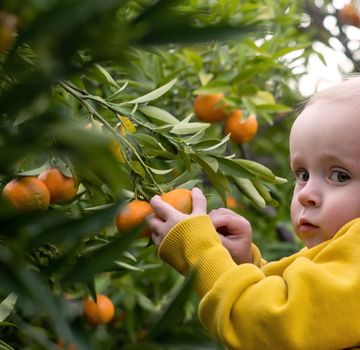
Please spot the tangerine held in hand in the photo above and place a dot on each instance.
(27, 193)
(180, 199)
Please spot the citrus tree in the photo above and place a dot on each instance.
(336, 26)
(105, 104)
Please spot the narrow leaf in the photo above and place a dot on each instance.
(7, 305)
(58, 228)
(249, 190)
(106, 75)
(206, 90)
(153, 95)
(104, 257)
(128, 266)
(263, 191)
(232, 167)
(160, 171)
(34, 172)
(188, 128)
(5, 346)
(280, 180)
(218, 179)
(257, 169)
(217, 145)
(195, 138)
(158, 115)
(273, 108)
(174, 309)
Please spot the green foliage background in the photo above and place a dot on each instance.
(138, 64)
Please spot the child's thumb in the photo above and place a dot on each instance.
(199, 203)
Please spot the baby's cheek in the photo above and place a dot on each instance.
(294, 209)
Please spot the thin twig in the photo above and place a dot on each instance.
(81, 98)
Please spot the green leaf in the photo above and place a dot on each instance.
(262, 97)
(82, 149)
(249, 190)
(32, 291)
(128, 266)
(183, 33)
(273, 108)
(172, 311)
(219, 181)
(193, 139)
(107, 76)
(263, 191)
(158, 115)
(5, 346)
(146, 303)
(58, 228)
(113, 96)
(104, 256)
(137, 168)
(151, 145)
(34, 172)
(257, 169)
(210, 162)
(7, 305)
(90, 283)
(207, 89)
(153, 95)
(280, 180)
(233, 168)
(288, 49)
(194, 58)
(188, 128)
(213, 146)
(205, 78)
(7, 324)
(214, 86)
(160, 171)
(185, 159)
(52, 20)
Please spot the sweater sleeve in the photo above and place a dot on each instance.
(257, 259)
(306, 301)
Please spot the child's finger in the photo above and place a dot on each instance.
(221, 211)
(154, 223)
(219, 220)
(161, 208)
(199, 203)
(156, 239)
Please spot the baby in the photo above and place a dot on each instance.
(309, 300)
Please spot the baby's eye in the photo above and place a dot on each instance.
(339, 176)
(302, 175)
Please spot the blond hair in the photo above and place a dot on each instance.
(346, 92)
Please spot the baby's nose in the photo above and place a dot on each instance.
(310, 194)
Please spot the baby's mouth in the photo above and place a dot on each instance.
(306, 226)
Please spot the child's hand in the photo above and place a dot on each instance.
(166, 216)
(235, 233)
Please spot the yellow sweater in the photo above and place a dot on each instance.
(309, 300)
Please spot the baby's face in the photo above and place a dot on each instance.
(325, 159)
